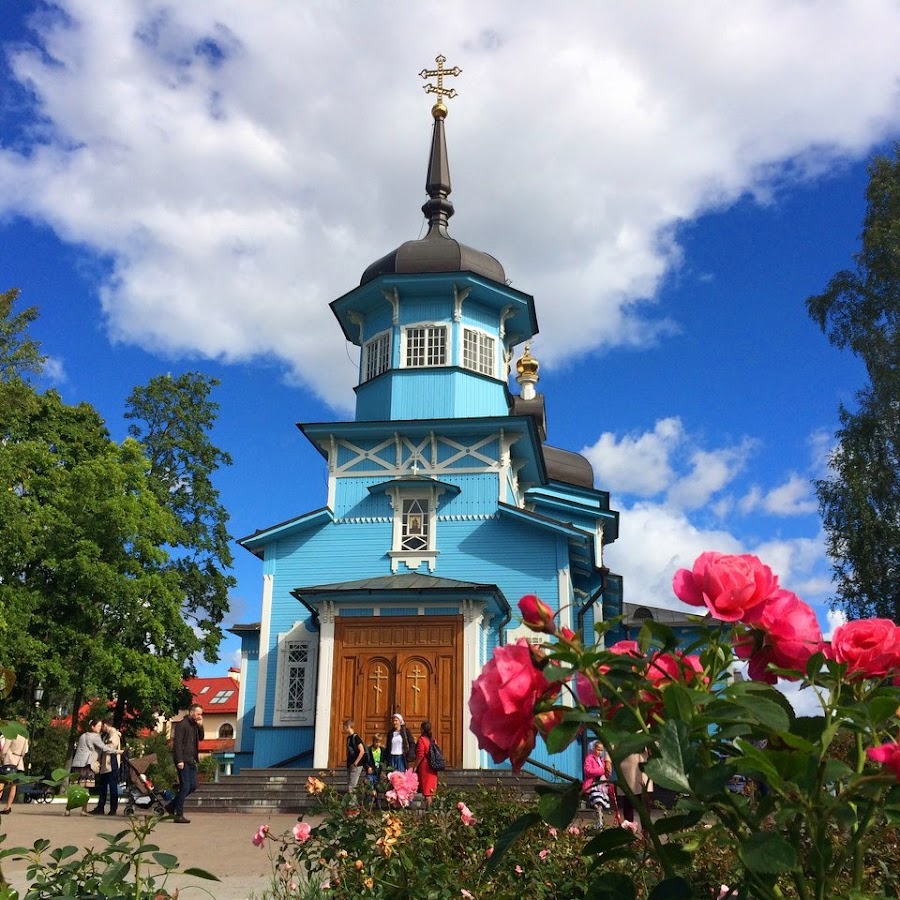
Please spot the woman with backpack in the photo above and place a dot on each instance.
(422, 766)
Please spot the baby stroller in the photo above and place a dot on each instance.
(140, 793)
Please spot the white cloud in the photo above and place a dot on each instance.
(239, 165)
(710, 472)
(54, 370)
(835, 618)
(658, 540)
(795, 497)
(638, 463)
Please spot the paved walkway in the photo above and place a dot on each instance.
(217, 842)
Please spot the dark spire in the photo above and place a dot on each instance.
(438, 208)
(436, 251)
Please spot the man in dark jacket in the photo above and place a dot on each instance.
(186, 737)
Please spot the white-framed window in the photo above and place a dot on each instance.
(425, 345)
(415, 527)
(296, 677)
(376, 355)
(414, 524)
(478, 352)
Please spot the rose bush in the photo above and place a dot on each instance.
(823, 787)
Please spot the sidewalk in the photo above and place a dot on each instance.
(217, 842)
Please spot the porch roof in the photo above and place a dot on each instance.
(398, 588)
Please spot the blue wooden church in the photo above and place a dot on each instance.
(444, 506)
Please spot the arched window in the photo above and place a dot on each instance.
(226, 731)
(643, 613)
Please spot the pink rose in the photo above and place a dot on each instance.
(785, 633)
(503, 700)
(259, 838)
(466, 815)
(870, 647)
(674, 666)
(888, 755)
(302, 831)
(730, 587)
(544, 854)
(536, 614)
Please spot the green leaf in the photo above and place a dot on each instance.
(559, 806)
(610, 886)
(200, 873)
(836, 770)
(670, 824)
(882, 706)
(677, 702)
(115, 872)
(561, 736)
(609, 839)
(512, 833)
(675, 757)
(166, 860)
(711, 781)
(672, 889)
(767, 853)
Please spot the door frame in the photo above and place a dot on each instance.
(435, 641)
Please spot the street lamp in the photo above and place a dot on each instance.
(38, 696)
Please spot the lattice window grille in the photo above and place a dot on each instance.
(377, 356)
(478, 351)
(296, 662)
(426, 345)
(414, 525)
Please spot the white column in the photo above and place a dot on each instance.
(473, 618)
(265, 630)
(326, 677)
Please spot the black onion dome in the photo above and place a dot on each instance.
(437, 251)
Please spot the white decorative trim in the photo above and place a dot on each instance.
(507, 313)
(259, 718)
(358, 321)
(412, 560)
(598, 547)
(393, 297)
(566, 597)
(332, 470)
(458, 297)
(406, 453)
(326, 676)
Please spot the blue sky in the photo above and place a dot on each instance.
(187, 187)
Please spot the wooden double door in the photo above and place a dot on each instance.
(411, 665)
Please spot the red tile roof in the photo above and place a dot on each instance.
(217, 696)
(217, 745)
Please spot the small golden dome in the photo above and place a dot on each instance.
(527, 364)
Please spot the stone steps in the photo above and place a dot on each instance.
(284, 790)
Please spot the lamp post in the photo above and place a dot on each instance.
(38, 696)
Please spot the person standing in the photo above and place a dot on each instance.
(401, 746)
(108, 777)
(641, 786)
(357, 755)
(12, 759)
(427, 776)
(597, 769)
(186, 737)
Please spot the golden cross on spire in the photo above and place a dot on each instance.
(439, 109)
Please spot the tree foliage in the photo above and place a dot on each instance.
(91, 600)
(860, 499)
(172, 418)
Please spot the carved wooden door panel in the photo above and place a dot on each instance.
(412, 665)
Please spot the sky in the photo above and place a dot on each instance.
(186, 187)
